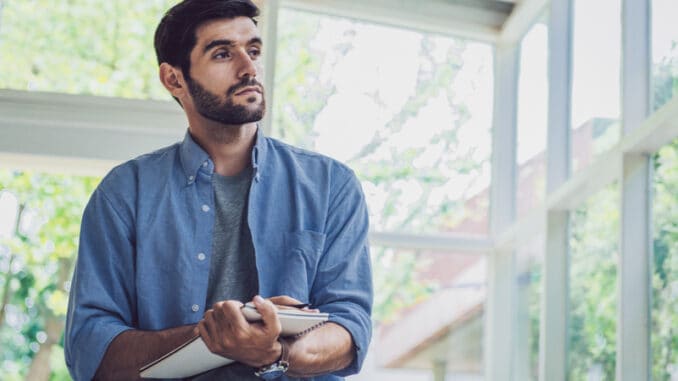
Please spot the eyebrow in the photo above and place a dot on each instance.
(225, 42)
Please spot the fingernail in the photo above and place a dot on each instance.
(258, 299)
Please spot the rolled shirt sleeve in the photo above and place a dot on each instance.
(343, 285)
(102, 297)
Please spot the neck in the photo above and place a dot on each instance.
(229, 146)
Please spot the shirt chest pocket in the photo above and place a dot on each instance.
(301, 253)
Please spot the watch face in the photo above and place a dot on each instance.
(271, 374)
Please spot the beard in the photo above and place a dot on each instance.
(210, 106)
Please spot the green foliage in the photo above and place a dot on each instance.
(594, 249)
(81, 47)
(664, 329)
(593, 286)
(38, 259)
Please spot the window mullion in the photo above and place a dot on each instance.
(633, 343)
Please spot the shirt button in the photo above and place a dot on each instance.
(190, 178)
(204, 164)
(195, 308)
(201, 256)
(205, 208)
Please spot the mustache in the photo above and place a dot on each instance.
(245, 82)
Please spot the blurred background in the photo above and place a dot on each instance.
(519, 159)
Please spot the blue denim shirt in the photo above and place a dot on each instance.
(146, 237)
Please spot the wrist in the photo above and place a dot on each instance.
(278, 367)
(275, 356)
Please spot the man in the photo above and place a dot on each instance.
(173, 242)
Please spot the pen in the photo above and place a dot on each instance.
(302, 305)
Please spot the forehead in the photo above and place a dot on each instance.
(238, 30)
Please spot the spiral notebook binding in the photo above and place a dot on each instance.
(307, 330)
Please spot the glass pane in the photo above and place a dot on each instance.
(81, 47)
(529, 267)
(38, 245)
(532, 119)
(664, 332)
(595, 79)
(664, 51)
(419, 295)
(410, 112)
(593, 287)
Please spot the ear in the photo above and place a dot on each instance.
(173, 80)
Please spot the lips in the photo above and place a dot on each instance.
(249, 89)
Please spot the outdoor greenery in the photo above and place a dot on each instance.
(81, 47)
(36, 263)
(593, 287)
(664, 329)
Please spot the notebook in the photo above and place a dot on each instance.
(193, 357)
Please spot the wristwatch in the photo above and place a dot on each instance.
(278, 368)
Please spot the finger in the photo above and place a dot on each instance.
(203, 331)
(284, 300)
(268, 315)
(229, 313)
(219, 316)
(209, 328)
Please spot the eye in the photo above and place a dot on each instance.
(255, 52)
(222, 54)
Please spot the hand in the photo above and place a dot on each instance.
(226, 332)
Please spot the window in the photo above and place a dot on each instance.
(664, 52)
(595, 79)
(532, 120)
(81, 47)
(665, 270)
(410, 112)
(593, 287)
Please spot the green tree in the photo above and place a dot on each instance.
(665, 265)
(593, 291)
(39, 258)
(81, 47)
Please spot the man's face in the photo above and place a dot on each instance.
(224, 69)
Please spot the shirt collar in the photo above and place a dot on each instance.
(259, 152)
(193, 157)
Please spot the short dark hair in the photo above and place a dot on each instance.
(175, 36)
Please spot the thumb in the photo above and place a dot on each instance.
(269, 315)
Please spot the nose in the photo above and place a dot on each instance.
(248, 66)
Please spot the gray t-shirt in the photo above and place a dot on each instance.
(233, 271)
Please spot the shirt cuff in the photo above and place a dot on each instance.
(89, 349)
